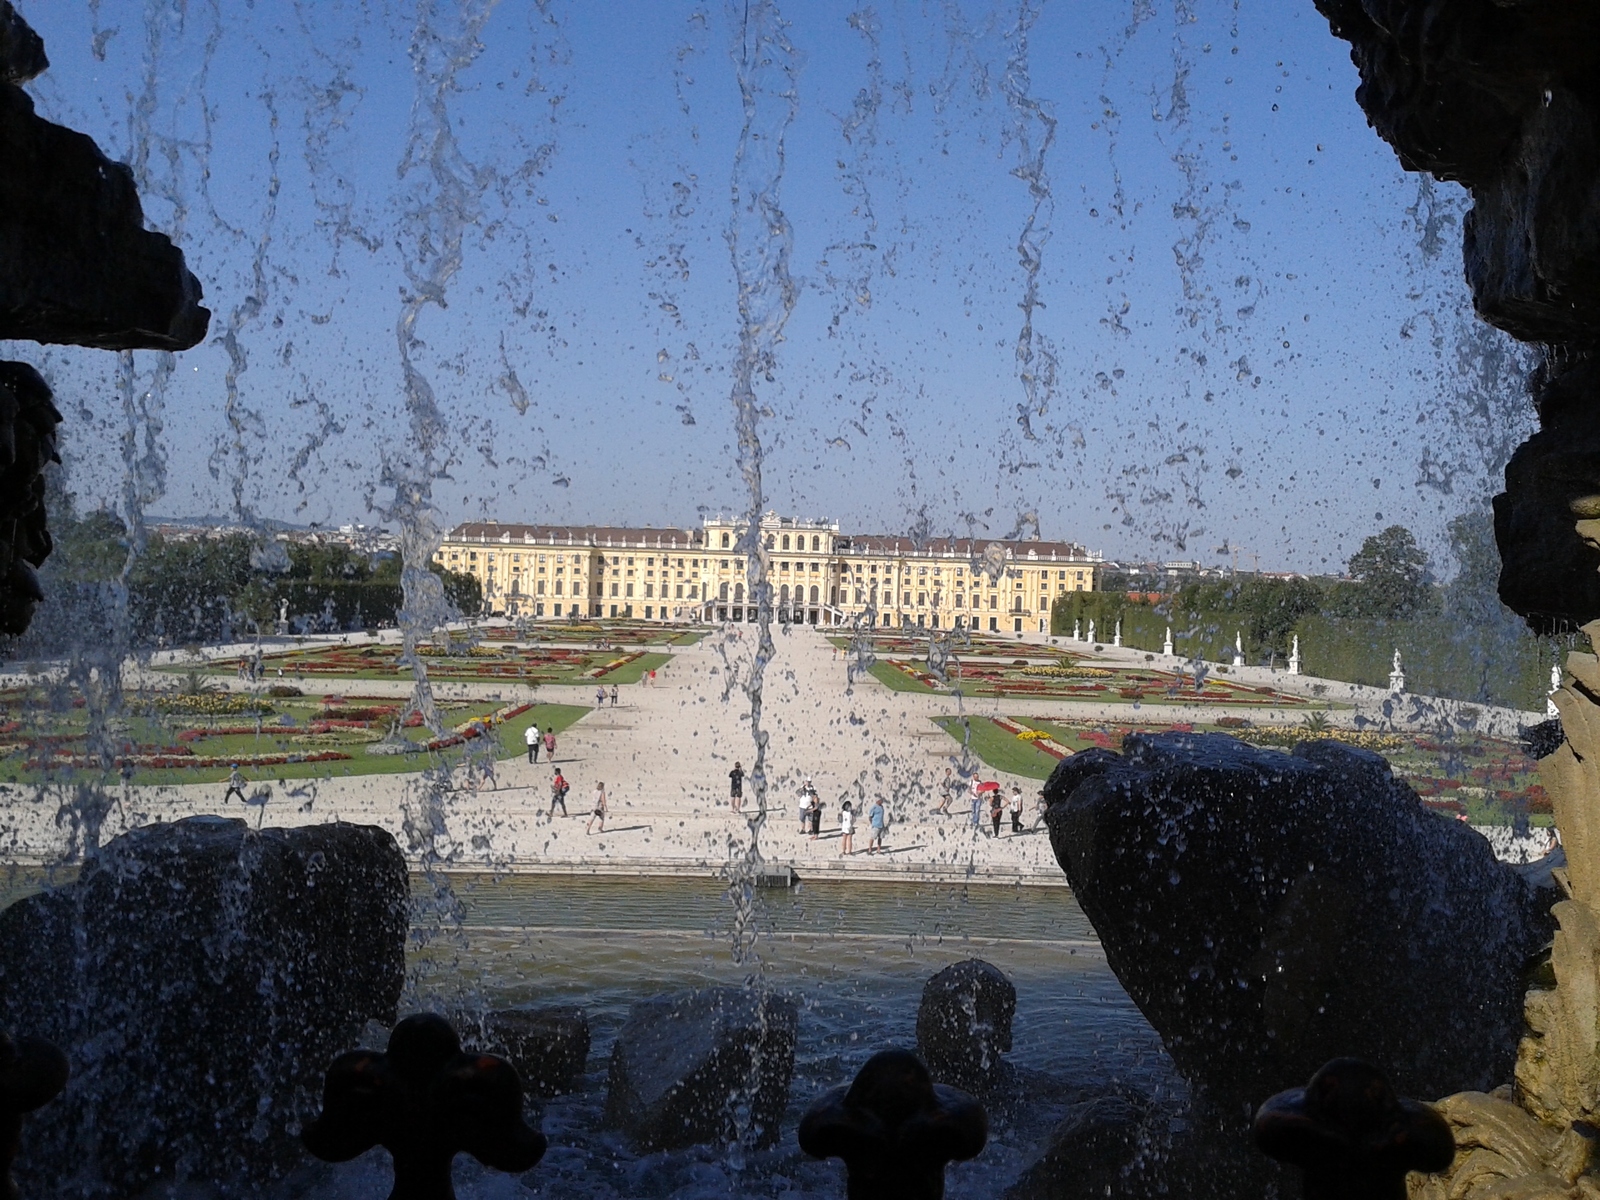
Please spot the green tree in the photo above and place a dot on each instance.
(1393, 573)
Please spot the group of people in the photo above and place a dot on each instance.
(600, 696)
(559, 787)
(988, 800)
(810, 812)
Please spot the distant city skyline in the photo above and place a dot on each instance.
(1251, 327)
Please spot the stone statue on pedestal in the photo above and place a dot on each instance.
(1116, 637)
(1397, 676)
(1091, 631)
(1238, 648)
(1166, 646)
(1294, 656)
(283, 618)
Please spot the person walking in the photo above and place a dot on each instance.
(736, 787)
(613, 695)
(1016, 810)
(530, 735)
(977, 804)
(652, 677)
(1043, 807)
(816, 814)
(948, 788)
(599, 813)
(558, 794)
(236, 782)
(997, 808)
(550, 745)
(878, 820)
(847, 829)
(805, 807)
(600, 696)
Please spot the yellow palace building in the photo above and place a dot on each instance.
(817, 575)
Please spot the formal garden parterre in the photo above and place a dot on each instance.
(197, 737)
(1487, 780)
(453, 662)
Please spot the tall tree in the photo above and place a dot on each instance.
(1393, 572)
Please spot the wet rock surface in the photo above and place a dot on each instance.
(964, 1026)
(549, 1046)
(709, 1065)
(28, 420)
(200, 977)
(1268, 912)
(1090, 1152)
(77, 265)
(1501, 97)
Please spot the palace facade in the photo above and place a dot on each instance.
(817, 575)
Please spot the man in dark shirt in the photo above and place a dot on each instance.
(736, 787)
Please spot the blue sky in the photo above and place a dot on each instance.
(1257, 344)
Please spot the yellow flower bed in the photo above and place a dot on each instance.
(1292, 735)
(1056, 672)
(211, 704)
(1033, 735)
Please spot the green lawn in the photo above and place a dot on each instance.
(897, 680)
(634, 671)
(1001, 750)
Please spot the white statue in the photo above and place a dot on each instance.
(1397, 676)
(283, 618)
(1238, 648)
(1550, 709)
(1294, 656)
(1091, 631)
(1116, 637)
(1166, 646)
(1076, 631)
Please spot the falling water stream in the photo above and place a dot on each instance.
(453, 235)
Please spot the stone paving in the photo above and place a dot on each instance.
(664, 756)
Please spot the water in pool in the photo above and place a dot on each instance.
(854, 957)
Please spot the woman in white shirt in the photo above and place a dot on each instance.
(847, 829)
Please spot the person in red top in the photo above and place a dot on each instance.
(558, 793)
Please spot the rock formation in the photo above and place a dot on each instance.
(77, 267)
(964, 1026)
(1268, 912)
(548, 1046)
(200, 977)
(1499, 96)
(711, 1065)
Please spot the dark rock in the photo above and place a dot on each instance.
(1351, 1136)
(1500, 95)
(964, 1026)
(77, 265)
(1544, 739)
(28, 421)
(1550, 568)
(1075, 768)
(1088, 1153)
(710, 1065)
(1268, 912)
(21, 49)
(32, 1073)
(895, 1129)
(425, 1102)
(200, 976)
(548, 1046)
